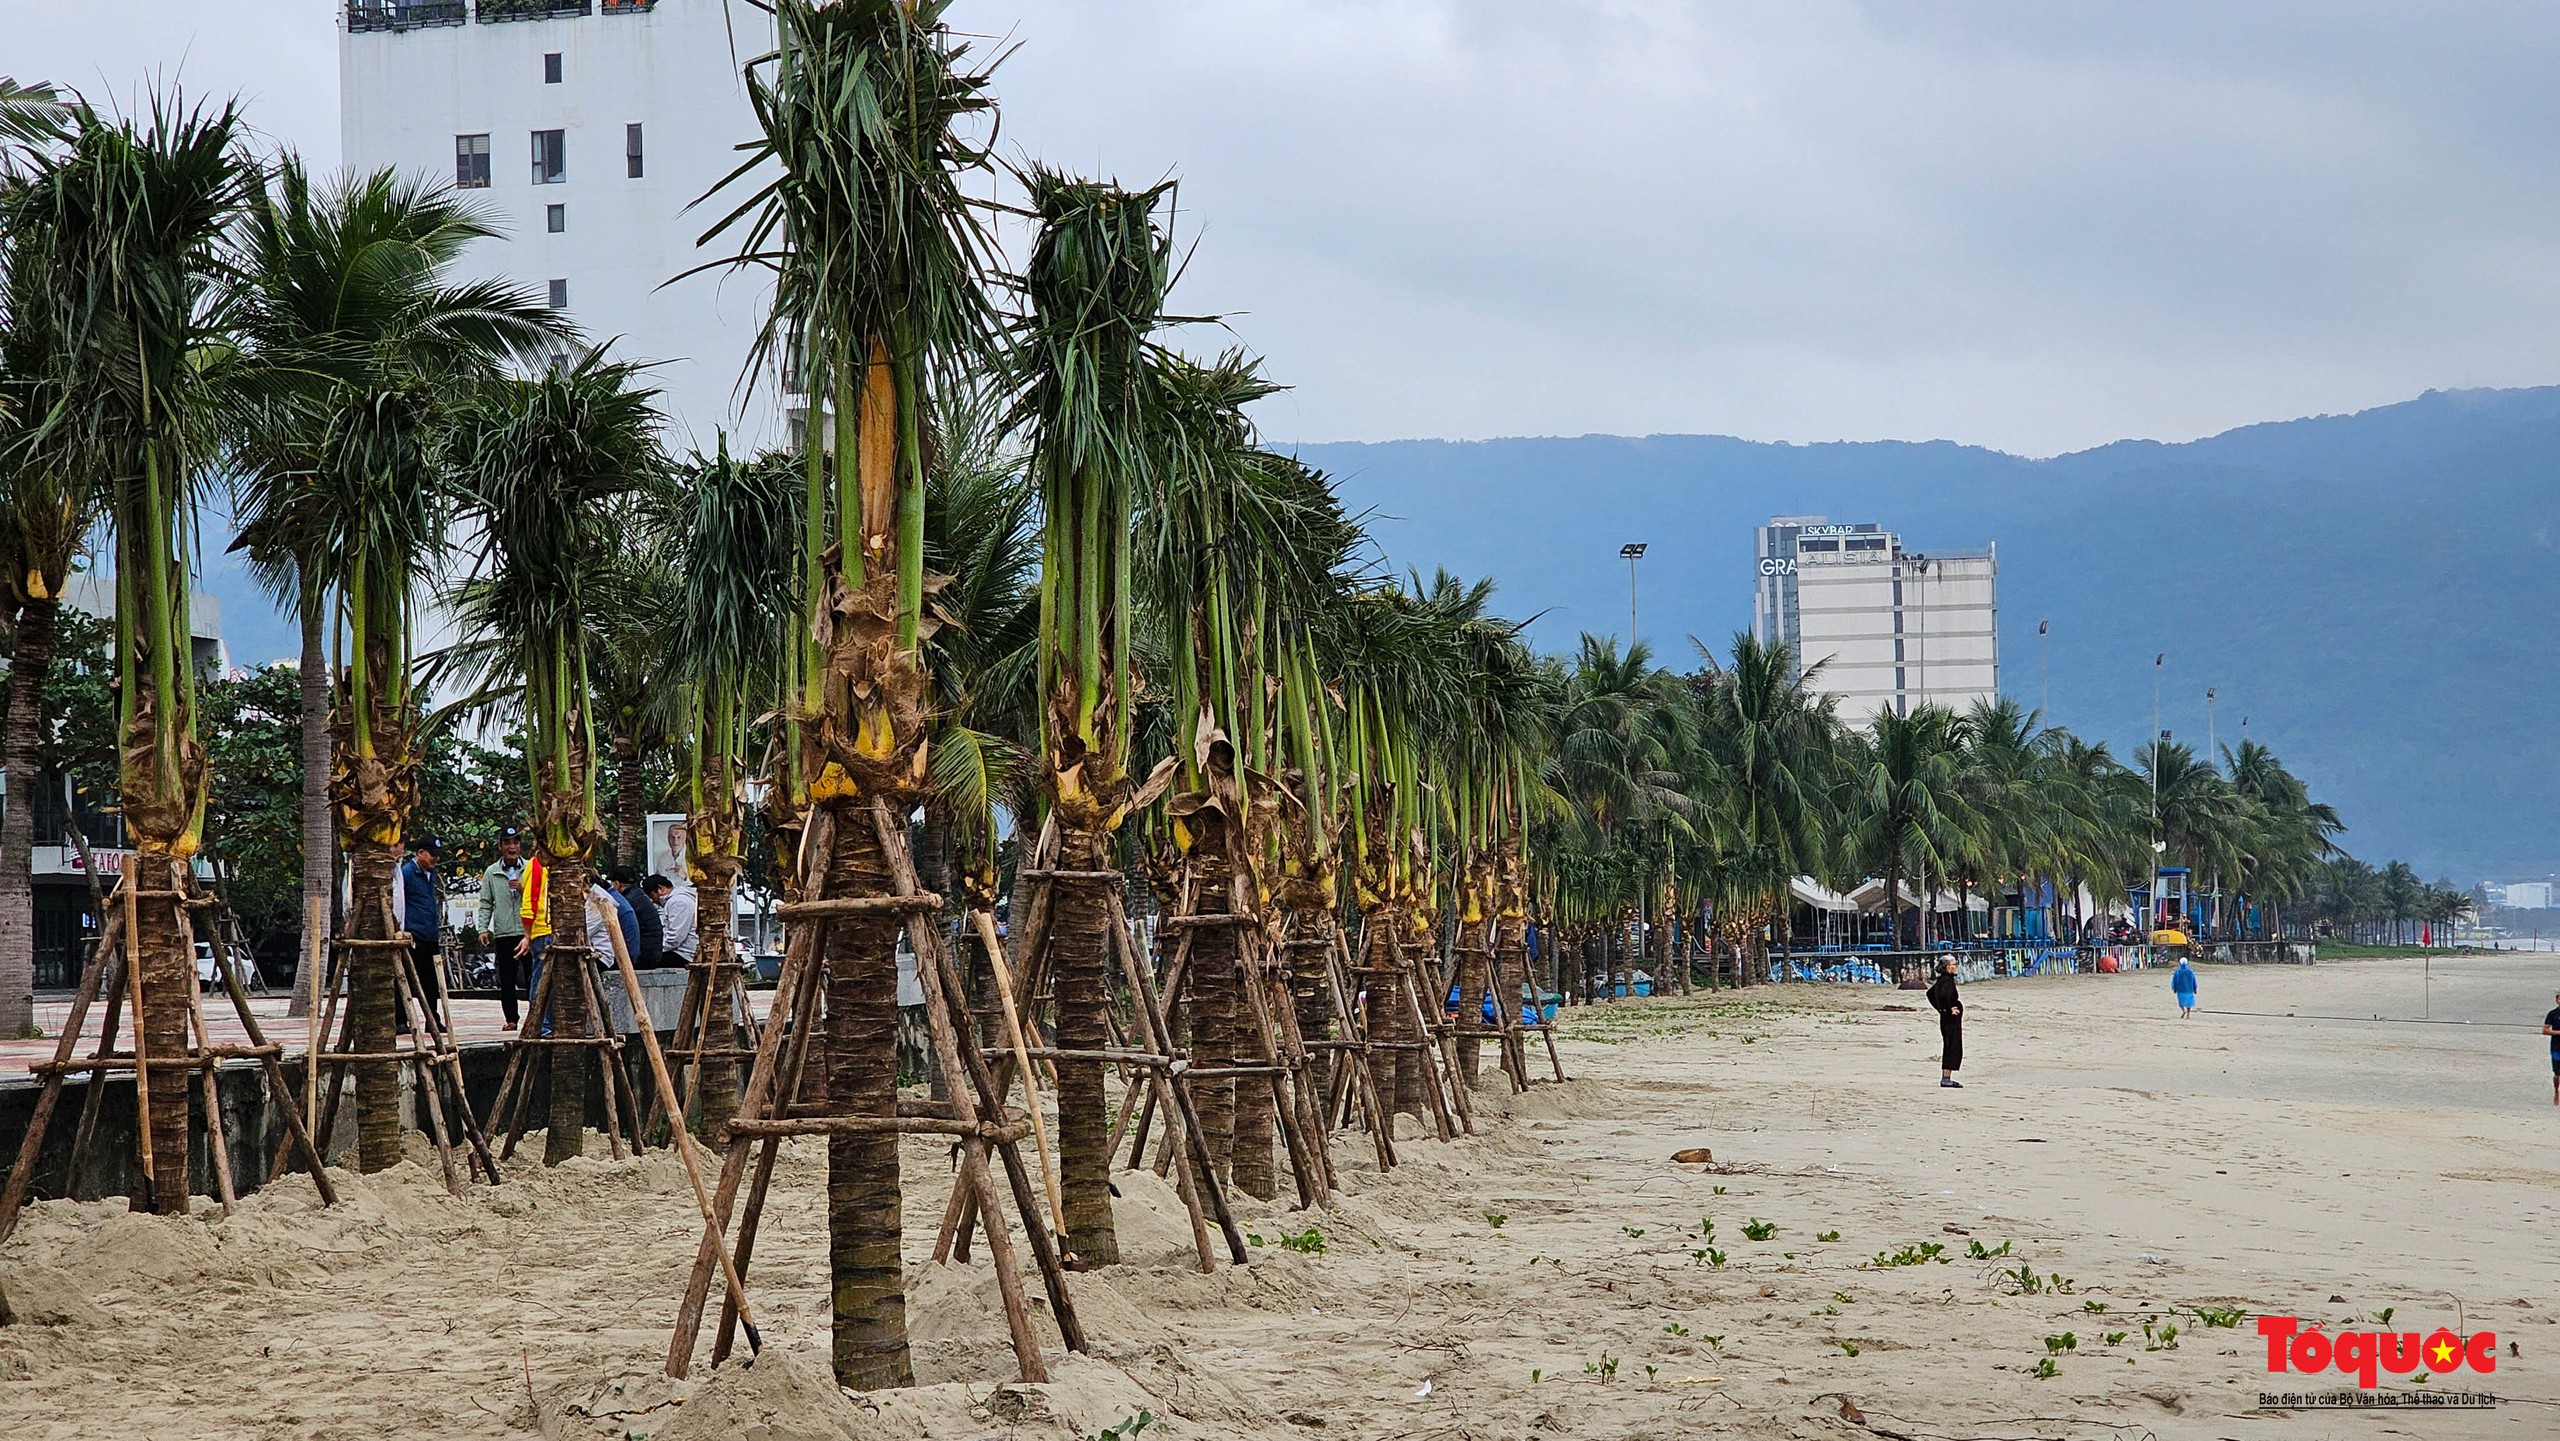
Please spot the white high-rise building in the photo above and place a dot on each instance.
(1891, 628)
(588, 129)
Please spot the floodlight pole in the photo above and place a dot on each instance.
(1631, 552)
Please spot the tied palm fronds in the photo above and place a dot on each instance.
(122, 225)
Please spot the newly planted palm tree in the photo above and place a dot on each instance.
(549, 468)
(1096, 286)
(879, 259)
(358, 349)
(125, 221)
(737, 525)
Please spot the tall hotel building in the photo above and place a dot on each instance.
(588, 129)
(1891, 628)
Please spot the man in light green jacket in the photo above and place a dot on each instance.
(501, 917)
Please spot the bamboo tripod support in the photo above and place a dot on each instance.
(693, 1048)
(768, 1109)
(433, 1058)
(203, 1057)
(510, 1111)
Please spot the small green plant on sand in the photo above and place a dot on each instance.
(1253, 1238)
(2094, 1308)
(1917, 1255)
(1675, 1329)
(2116, 1338)
(1632, 1233)
(1849, 1346)
(1719, 1190)
(1976, 1251)
(2222, 1316)
(1606, 1368)
(2056, 1345)
(1496, 1218)
(1129, 1427)
(1707, 1256)
(1651, 1371)
(1826, 1235)
(1309, 1242)
(2383, 1316)
(2162, 1338)
(1756, 1229)
(1536, 1375)
(1715, 1341)
(2045, 1369)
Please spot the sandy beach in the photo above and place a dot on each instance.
(1549, 1277)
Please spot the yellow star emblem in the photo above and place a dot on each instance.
(2443, 1351)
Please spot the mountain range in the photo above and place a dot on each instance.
(2371, 595)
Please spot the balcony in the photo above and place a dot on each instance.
(499, 12)
(397, 15)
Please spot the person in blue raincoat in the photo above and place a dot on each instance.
(2184, 984)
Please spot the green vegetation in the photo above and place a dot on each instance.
(1756, 1229)
(1919, 1254)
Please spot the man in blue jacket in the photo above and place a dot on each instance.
(422, 916)
(2183, 985)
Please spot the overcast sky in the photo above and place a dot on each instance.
(2036, 227)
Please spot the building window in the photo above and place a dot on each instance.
(555, 218)
(551, 68)
(550, 157)
(631, 151)
(559, 295)
(471, 162)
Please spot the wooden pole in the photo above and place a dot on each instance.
(986, 924)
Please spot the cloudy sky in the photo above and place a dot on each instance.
(2036, 227)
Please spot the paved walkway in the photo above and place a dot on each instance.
(475, 1022)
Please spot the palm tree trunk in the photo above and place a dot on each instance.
(864, 1216)
(1474, 977)
(319, 822)
(1211, 981)
(718, 955)
(1079, 930)
(630, 816)
(167, 975)
(567, 882)
(29, 664)
(371, 1007)
(1396, 1073)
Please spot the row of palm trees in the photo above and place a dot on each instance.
(2355, 900)
(1026, 587)
(1710, 793)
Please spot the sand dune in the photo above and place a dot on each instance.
(1550, 1277)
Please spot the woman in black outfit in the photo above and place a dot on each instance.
(1942, 994)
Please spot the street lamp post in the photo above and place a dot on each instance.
(2044, 676)
(2159, 847)
(2209, 732)
(1631, 552)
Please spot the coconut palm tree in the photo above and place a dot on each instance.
(1768, 742)
(1095, 289)
(879, 260)
(550, 469)
(125, 221)
(358, 349)
(47, 506)
(1903, 804)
